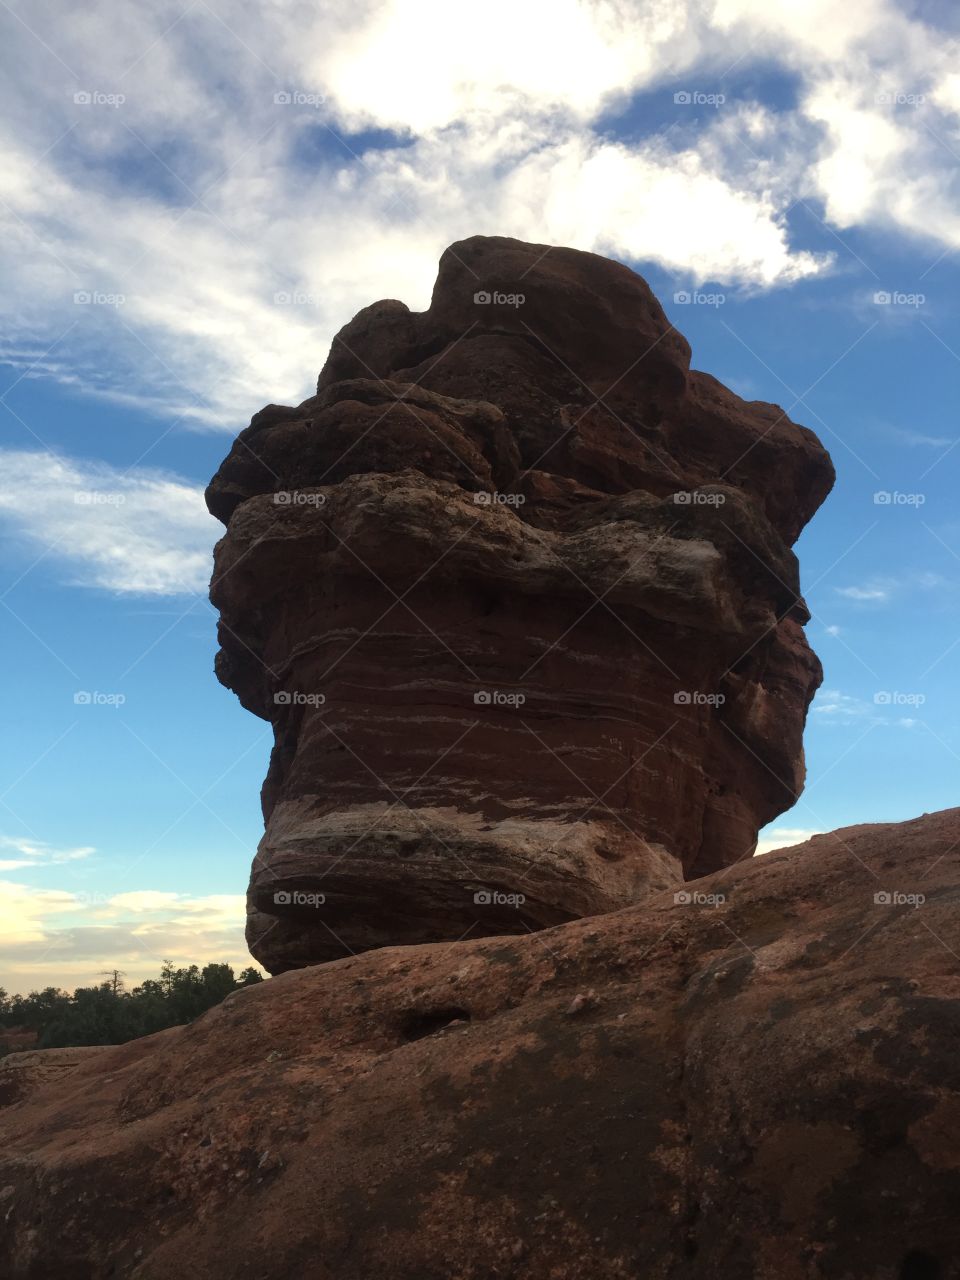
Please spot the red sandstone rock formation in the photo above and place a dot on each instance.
(515, 589)
(758, 1084)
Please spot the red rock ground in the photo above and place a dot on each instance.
(759, 1088)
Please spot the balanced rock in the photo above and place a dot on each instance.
(515, 589)
(755, 1079)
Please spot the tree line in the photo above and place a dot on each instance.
(110, 1014)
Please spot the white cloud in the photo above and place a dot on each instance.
(877, 594)
(837, 707)
(200, 198)
(56, 937)
(135, 531)
(36, 853)
(920, 438)
(882, 590)
(832, 707)
(784, 837)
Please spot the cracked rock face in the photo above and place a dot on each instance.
(515, 589)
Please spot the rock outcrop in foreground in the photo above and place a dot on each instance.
(515, 589)
(762, 1083)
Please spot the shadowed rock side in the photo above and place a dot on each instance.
(765, 1088)
(515, 589)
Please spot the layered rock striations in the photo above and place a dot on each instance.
(515, 589)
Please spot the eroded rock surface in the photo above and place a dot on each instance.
(515, 589)
(761, 1083)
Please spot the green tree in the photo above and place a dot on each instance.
(109, 1014)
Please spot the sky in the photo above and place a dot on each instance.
(194, 197)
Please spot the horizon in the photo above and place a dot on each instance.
(786, 186)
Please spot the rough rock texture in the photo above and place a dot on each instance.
(767, 1088)
(575, 691)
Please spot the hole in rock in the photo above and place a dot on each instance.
(427, 1022)
(919, 1265)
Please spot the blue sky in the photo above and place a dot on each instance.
(179, 258)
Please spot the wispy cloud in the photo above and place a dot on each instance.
(876, 594)
(35, 853)
(881, 590)
(832, 706)
(138, 531)
(920, 439)
(186, 244)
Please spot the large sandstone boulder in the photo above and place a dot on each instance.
(515, 589)
(760, 1082)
